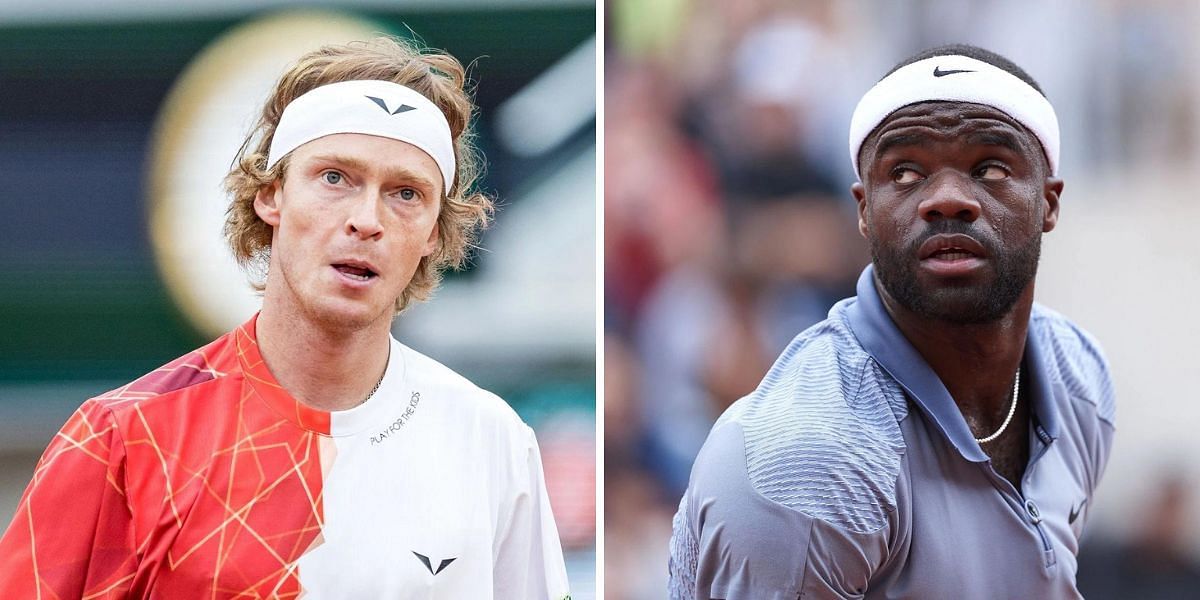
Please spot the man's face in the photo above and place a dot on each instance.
(953, 201)
(352, 219)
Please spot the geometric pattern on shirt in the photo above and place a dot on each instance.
(214, 482)
(1079, 363)
(822, 430)
(684, 559)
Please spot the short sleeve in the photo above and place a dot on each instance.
(730, 542)
(528, 558)
(1101, 444)
(72, 535)
(1080, 365)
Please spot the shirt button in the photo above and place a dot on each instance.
(1034, 514)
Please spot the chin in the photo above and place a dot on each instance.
(964, 305)
(964, 311)
(349, 315)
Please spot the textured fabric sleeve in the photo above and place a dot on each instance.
(681, 565)
(529, 560)
(1084, 373)
(72, 534)
(732, 543)
(1101, 444)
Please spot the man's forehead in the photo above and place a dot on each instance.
(371, 153)
(948, 116)
(375, 150)
(974, 123)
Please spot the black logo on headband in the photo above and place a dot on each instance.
(402, 109)
(937, 72)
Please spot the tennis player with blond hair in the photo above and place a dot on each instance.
(308, 452)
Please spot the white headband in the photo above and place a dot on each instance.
(961, 79)
(379, 108)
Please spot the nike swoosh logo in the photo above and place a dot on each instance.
(938, 72)
(1075, 512)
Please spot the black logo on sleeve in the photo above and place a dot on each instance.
(403, 108)
(938, 72)
(1075, 512)
(428, 565)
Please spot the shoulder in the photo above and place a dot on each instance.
(1078, 360)
(161, 400)
(214, 362)
(441, 384)
(821, 435)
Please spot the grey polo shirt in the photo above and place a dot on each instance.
(850, 473)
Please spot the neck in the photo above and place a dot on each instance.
(324, 367)
(976, 362)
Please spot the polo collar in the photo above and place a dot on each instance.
(882, 339)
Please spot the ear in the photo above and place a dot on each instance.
(266, 203)
(1050, 193)
(860, 196)
(431, 244)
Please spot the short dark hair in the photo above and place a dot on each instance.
(974, 52)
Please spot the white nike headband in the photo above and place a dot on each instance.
(956, 79)
(379, 108)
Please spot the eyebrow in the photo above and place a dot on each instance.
(996, 138)
(395, 173)
(900, 140)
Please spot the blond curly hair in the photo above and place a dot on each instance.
(436, 75)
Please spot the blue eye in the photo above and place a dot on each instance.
(408, 194)
(332, 177)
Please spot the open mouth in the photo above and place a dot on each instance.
(355, 272)
(951, 248)
(952, 254)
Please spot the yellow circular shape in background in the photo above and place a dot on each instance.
(197, 134)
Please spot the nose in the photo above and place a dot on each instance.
(363, 220)
(950, 197)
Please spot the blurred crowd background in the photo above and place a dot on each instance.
(729, 228)
(117, 122)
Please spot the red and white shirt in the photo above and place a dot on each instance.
(205, 479)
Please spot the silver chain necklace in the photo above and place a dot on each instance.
(1011, 411)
